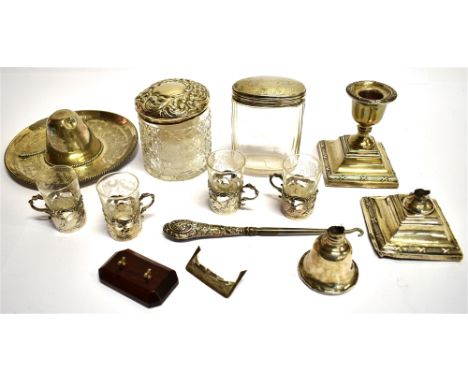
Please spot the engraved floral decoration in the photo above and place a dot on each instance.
(172, 99)
(183, 229)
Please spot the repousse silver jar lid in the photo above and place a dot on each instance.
(172, 101)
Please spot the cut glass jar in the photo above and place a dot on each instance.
(175, 128)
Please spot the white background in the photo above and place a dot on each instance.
(273, 327)
(423, 130)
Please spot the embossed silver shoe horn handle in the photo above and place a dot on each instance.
(183, 230)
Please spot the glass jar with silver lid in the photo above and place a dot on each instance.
(175, 128)
(267, 121)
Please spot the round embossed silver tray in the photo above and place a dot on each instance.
(24, 156)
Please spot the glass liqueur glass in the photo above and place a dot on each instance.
(122, 204)
(226, 181)
(301, 175)
(59, 189)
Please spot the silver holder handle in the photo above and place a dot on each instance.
(143, 208)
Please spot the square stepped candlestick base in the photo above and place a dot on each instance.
(344, 166)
